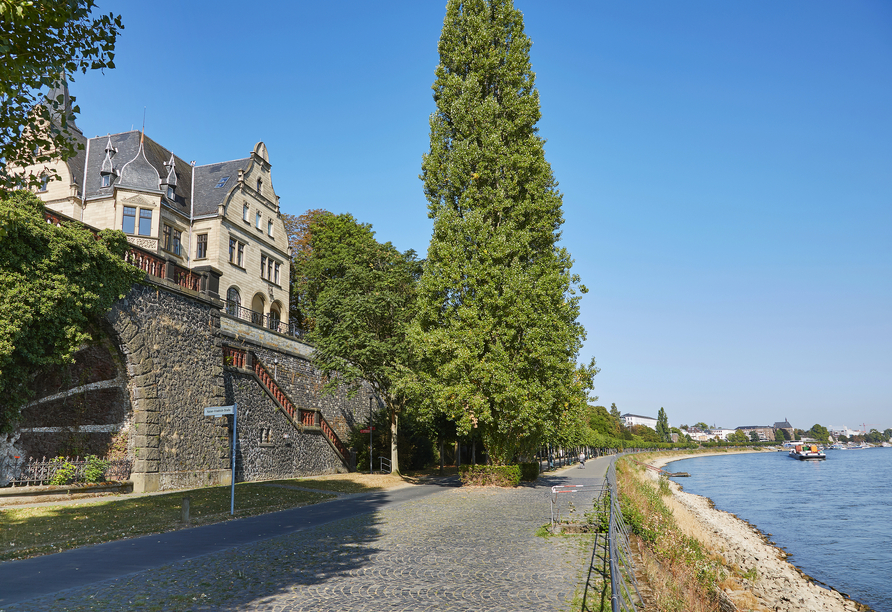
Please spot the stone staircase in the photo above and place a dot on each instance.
(302, 419)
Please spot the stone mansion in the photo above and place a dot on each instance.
(221, 219)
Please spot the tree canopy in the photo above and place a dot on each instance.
(54, 283)
(40, 42)
(738, 436)
(496, 332)
(359, 294)
(818, 432)
(300, 240)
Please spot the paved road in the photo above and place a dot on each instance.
(418, 548)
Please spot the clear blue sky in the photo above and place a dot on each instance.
(726, 170)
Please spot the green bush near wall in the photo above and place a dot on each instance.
(529, 472)
(490, 475)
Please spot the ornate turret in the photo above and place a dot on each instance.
(108, 172)
(169, 184)
(59, 104)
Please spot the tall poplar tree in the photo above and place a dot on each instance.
(496, 330)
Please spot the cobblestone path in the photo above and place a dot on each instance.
(461, 549)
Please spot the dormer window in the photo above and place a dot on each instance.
(170, 192)
(106, 180)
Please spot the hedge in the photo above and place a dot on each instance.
(529, 472)
(490, 475)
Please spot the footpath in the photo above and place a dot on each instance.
(432, 546)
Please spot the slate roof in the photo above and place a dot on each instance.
(783, 425)
(207, 195)
(127, 147)
(754, 427)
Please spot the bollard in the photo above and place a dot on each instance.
(184, 510)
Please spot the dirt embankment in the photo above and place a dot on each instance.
(772, 583)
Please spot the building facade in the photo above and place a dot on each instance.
(634, 419)
(221, 218)
(765, 432)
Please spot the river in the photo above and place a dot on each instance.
(833, 517)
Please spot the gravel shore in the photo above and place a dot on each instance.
(779, 586)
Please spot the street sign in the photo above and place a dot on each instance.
(218, 410)
(222, 411)
(367, 430)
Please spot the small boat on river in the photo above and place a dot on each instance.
(807, 453)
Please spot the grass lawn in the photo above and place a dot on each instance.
(29, 532)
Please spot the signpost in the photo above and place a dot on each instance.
(223, 411)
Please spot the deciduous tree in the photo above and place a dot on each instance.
(39, 42)
(54, 283)
(300, 238)
(738, 437)
(360, 294)
(497, 331)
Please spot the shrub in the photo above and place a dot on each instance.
(529, 472)
(65, 472)
(94, 471)
(490, 475)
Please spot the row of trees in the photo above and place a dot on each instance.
(483, 334)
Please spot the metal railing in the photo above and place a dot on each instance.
(385, 463)
(145, 260)
(611, 573)
(624, 593)
(569, 503)
(43, 471)
(268, 321)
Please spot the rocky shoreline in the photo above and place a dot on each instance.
(775, 584)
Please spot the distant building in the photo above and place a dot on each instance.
(843, 431)
(697, 435)
(785, 425)
(765, 432)
(720, 433)
(635, 419)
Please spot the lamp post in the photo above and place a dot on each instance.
(371, 432)
(276, 369)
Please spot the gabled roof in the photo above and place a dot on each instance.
(783, 425)
(637, 416)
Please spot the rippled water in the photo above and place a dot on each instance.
(834, 517)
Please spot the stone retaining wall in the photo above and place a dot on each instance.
(149, 377)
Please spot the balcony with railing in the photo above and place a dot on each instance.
(269, 321)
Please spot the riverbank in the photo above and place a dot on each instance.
(772, 583)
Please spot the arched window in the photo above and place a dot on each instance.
(233, 301)
(259, 185)
(257, 308)
(274, 318)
